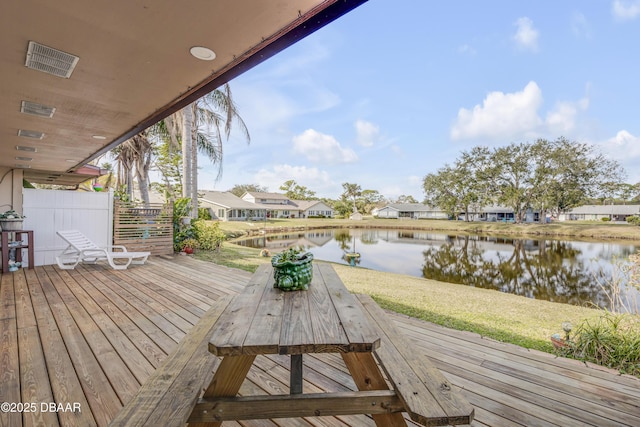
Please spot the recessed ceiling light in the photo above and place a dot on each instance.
(20, 166)
(30, 134)
(203, 53)
(25, 148)
(24, 159)
(99, 137)
(36, 109)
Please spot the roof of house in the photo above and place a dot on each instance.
(497, 209)
(412, 207)
(307, 204)
(259, 195)
(606, 210)
(228, 200)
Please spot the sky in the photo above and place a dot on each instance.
(394, 90)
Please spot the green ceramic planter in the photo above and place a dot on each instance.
(292, 275)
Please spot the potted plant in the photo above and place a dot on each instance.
(11, 220)
(292, 270)
(189, 245)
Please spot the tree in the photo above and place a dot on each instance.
(212, 116)
(134, 157)
(240, 189)
(294, 191)
(550, 176)
(352, 192)
(369, 199)
(406, 199)
(513, 175)
(202, 127)
(461, 187)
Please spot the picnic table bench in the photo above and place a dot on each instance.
(390, 376)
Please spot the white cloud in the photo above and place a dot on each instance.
(580, 26)
(562, 119)
(366, 133)
(500, 115)
(312, 178)
(322, 148)
(625, 148)
(508, 116)
(526, 36)
(467, 50)
(625, 10)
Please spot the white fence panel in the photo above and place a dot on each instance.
(48, 211)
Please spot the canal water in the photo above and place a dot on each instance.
(571, 272)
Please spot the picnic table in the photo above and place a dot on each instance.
(262, 320)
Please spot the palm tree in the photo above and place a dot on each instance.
(202, 127)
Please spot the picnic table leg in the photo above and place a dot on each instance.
(367, 376)
(295, 375)
(227, 380)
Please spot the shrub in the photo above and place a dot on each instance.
(605, 219)
(208, 234)
(634, 220)
(189, 243)
(612, 340)
(204, 213)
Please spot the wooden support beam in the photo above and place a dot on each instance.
(298, 405)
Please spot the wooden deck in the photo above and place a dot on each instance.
(91, 336)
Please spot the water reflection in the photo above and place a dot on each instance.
(552, 270)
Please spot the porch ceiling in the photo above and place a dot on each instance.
(134, 66)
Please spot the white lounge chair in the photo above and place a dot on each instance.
(81, 249)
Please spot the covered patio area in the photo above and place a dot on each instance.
(88, 338)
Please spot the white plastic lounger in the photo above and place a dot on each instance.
(81, 249)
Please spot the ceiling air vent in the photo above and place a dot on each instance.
(30, 134)
(24, 159)
(50, 60)
(20, 166)
(35, 109)
(25, 148)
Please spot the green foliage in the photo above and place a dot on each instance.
(612, 340)
(189, 243)
(297, 192)
(240, 189)
(204, 214)
(291, 254)
(342, 208)
(605, 219)
(549, 176)
(634, 220)
(169, 163)
(121, 194)
(181, 231)
(404, 198)
(208, 234)
(11, 214)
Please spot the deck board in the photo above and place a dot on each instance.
(94, 334)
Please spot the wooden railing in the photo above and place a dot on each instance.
(144, 228)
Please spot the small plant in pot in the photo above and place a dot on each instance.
(292, 270)
(11, 220)
(189, 245)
